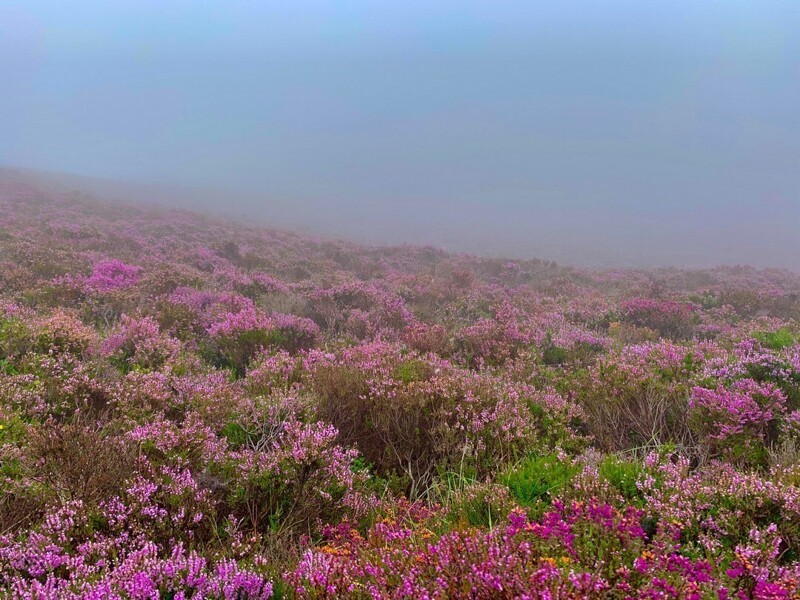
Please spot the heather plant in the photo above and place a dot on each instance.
(110, 275)
(493, 341)
(60, 386)
(139, 343)
(414, 417)
(74, 462)
(671, 319)
(70, 558)
(16, 340)
(236, 338)
(425, 338)
(63, 331)
(275, 372)
(582, 549)
(741, 421)
(640, 396)
(138, 395)
(295, 333)
(304, 480)
(781, 368)
(713, 510)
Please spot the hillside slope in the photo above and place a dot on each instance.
(194, 407)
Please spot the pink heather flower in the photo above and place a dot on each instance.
(747, 406)
(111, 275)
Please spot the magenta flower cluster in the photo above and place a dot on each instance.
(110, 275)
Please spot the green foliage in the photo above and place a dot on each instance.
(553, 355)
(16, 340)
(776, 340)
(7, 367)
(534, 481)
(580, 353)
(622, 475)
(706, 300)
(479, 505)
(12, 432)
(413, 370)
(789, 385)
(236, 352)
(236, 435)
(12, 429)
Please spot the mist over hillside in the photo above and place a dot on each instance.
(591, 238)
(628, 134)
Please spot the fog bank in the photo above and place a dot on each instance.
(658, 133)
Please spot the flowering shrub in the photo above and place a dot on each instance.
(669, 318)
(741, 421)
(411, 415)
(139, 343)
(639, 396)
(584, 549)
(47, 565)
(234, 338)
(495, 340)
(305, 478)
(110, 275)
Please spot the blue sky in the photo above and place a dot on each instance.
(571, 130)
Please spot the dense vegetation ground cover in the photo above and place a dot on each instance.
(193, 408)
